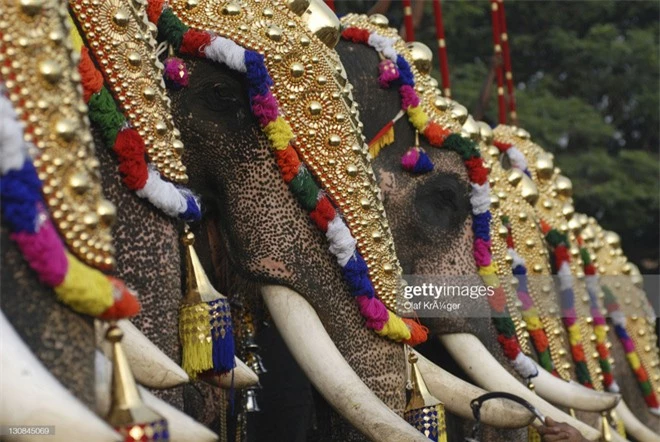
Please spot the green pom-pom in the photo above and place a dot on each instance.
(103, 113)
(305, 189)
(170, 28)
(465, 148)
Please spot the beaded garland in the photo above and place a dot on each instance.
(529, 311)
(599, 323)
(439, 136)
(619, 319)
(558, 242)
(193, 42)
(128, 144)
(83, 288)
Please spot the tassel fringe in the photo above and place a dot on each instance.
(196, 342)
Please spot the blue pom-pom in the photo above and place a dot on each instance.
(20, 192)
(193, 211)
(567, 299)
(356, 275)
(423, 164)
(405, 74)
(259, 81)
(481, 225)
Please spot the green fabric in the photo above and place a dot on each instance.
(646, 388)
(465, 148)
(103, 113)
(505, 326)
(609, 296)
(170, 28)
(586, 257)
(582, 373)
(555, 238)
(505, 220)
(305, 189)
(545, 360)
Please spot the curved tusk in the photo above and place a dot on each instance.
(181, 426)
(634, 427)
(32, 396)
(484, 369)
(243, 376)
(318, 357)
(151, 367)
(457, 394)
(572, 394)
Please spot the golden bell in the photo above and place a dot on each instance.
(421, 55)
(564, 186)
(486, 132)
(424, 411)
(128, 413)
(459, 112)
(522, 133)
(471, 129)
(322, 22)
(613, 239)
(298, 6)
(528, 190)
(379, 20)
(544, 166)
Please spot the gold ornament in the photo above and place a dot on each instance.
(322, 22)
(43, 84)
(424, 412)
(328, 138)
(119, 38)
(421, 55)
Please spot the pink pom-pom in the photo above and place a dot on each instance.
(388, 73)
(373, 311)
(409, 159)
(176, 73)
(481, 250)
(409, 97)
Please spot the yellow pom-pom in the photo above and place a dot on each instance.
(394, 328)
(418, 117)
(75, 289)
(574, 336)
(633, 360)
(279, 133)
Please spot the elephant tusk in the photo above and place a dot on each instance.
(484, 369)
(31, 396)
(243, 375)
(572, 394)
(634, 426)
(151, 367)
(457, 394)
(182, 427)
(327, 369)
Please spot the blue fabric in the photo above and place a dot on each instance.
(20, 193)
(356, 275)
(259, 82)
(405, 74)
(223, 347)
(521, 274)
(423, 164)
(621, 332)
(193, 212)
(481, 225)
(567, 299)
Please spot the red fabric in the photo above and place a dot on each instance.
(323, 213)
(561, 255)
(509, 241)
(540, 339)
(125, 307)
(603, 352)
(356, 35)
(91, 78)
(129, 147)
(498, 300)
(651, 400)
(578, 352)
(589, 269)
(418, 333)
(509, 346)
(436, 134)
(154, 10)
(502, 146)
(194, 42)
(476, 171)
(288, 162)
(607, 379)
(545, 227)
(641, 374)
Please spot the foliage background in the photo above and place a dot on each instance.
(587, 89)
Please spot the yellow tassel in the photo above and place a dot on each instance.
(394, 328)
(195, 335)
(279, 133)
(418, 118)
(620, 427)
(74, 290)
(383, 141)
(533, 435)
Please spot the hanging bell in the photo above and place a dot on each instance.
(251, 405)
(424, 412)
(128, 413)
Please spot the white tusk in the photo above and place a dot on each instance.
(457, 394)
(319, 358)
(31, 396)
(468, 351)
(151, 367)
(634, 427)
(243, 375)
(572, 394)
(181, 426)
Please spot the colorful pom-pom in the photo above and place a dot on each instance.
(415, 160)
(175, 74)
(387, 73)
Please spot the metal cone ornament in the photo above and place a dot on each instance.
(424, 411)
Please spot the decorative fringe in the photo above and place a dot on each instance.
(196, 340)
(222, 335)
(383, 138)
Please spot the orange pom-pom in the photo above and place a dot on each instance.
(91, 78)
(436, 134)
(418, 333)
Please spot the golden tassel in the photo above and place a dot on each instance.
(383, 140)
(618, 422)
(424, 412)
(128, 413)
(605, 427)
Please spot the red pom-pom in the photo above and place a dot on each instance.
(589, 269)
(509, 346)
(90, 77)
(578, 352)
(288, 162)
(540, 339)
(154, 10)
(502, 146)
(194, 42)
(356, 35)
(476, 171)
(126, 306)
(436, 134)
(498, 300)
(323, 213)
(561, 255)
(652, 401)
(545, 227)
(129, 147)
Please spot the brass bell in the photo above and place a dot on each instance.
(470, 129)
(486, 132)
(251, 405)
(459, 112)
(379, 20)
(544, 166)
(322, 22)
(564, 186)
(421, 55)
(613, 239)
(528, 190)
